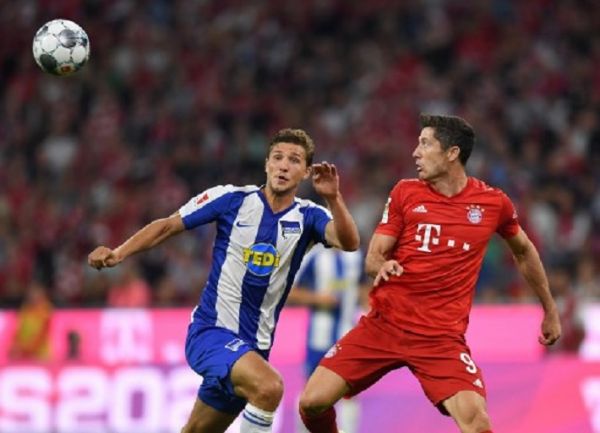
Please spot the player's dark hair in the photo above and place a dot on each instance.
(295, 136)
(451, 131)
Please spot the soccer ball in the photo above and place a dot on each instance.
(61, 47)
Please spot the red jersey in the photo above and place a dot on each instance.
(441, 244)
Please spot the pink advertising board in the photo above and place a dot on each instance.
(132, 376)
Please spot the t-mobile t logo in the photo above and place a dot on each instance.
(427, 238)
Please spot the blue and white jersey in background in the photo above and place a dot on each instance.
(256, 255)
(328, 270)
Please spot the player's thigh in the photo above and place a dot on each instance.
(205, 419)
(444, 368)
(323, 389)
(253, 376)
(212, 353)
(469, 410)
(364, 355)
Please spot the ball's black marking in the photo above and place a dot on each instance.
(42, 31)
(48, 63)
(67, 38)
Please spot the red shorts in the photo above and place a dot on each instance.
(442, 364)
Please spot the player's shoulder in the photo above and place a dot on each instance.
(222, 195)
(221, 190)
(305, 203)
(481, 187)
(308, 207)
(241, 189)
(409, 184)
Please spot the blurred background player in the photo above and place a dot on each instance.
(262, 234)
(331, 283)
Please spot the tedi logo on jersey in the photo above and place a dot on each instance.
(261, 259)
(475, 213)
(290, 228)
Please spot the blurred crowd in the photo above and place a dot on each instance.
(180, 95)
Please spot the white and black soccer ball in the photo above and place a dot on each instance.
(61, 47)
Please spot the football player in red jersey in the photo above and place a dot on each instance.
(425, 257)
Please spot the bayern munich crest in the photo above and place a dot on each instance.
(475, 214)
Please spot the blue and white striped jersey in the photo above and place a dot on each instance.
(335, 272)
(256, 255)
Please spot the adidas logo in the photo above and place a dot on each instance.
(478, 383)
(420, 209)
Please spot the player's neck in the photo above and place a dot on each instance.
(451, 184)
(279, 202)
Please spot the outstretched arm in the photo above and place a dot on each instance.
(341, 232)
(529, 264)
(304, 296)
(147, 237)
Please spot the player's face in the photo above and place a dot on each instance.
(431, 159)
(286, 167)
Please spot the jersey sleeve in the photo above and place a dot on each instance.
(392, 221)
(319, 218)
(205, 207)
(508, 223)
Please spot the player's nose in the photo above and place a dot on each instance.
(284, 164)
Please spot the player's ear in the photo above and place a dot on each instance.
(453, 153)
(308, 172)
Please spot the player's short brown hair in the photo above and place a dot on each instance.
(451, 131)
(295, 136)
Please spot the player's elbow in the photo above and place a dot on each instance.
(349, 241)
(169, 226)
(523, 251)
(351, 244)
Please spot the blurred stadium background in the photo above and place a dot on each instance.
(181, 95)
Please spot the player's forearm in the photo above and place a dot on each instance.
(306, 297)
(346, 231)
(147, 237)
(373, 263)
(530, 266)
(299, 296)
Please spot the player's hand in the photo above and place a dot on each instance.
(325, 179)
(388, 269)
(103, 257)
(551, 328)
